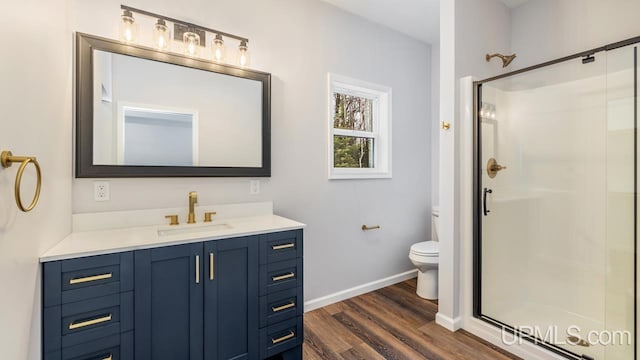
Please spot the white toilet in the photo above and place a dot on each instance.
(424, 255)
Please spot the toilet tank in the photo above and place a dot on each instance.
(435, 222)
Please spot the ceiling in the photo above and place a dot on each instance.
(419, 19)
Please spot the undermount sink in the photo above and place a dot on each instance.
(192, 228)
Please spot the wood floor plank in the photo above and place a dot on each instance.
(391, 323)
(334, 308)
(411, 301)
(403, 331)
(361, 352)
(377, 338)
(330, 332)
(461, 346)
(315, 345)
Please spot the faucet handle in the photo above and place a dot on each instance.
(173, 218)
(208, 215)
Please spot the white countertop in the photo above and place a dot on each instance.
(106, 241)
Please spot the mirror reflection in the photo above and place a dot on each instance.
(150, 113)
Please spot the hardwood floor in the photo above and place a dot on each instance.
(390, 323)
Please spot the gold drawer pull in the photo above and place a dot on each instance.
(283, 246)
(283, 307)
(290, 335)
(211, 267)
(82, 324)
(197, 269)
(283, 277)
(90, 278)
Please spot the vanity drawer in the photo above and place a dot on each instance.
(114, 347)
(280, 276)
(281, 337)
(77, 323)
(281, 306)
(280, 246)
(75, 280)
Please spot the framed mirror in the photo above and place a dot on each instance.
(147, 113)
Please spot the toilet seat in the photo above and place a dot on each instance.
(425, 248)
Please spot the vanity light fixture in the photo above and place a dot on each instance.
(127, 26)
(243, 52)
(218, 49)
(191, 42)
(161, 35)
(194, 36)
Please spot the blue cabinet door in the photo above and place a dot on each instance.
(231, 299)
(169, 303)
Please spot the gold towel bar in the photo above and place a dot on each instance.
(281, 339)
(7, 159)
(82, 324)
(283, 246)
(365, 227)
(90, 278)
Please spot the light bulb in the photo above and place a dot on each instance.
(218, 48)
(161, 35)
(243, 54)
(128, 27)
(191, 42)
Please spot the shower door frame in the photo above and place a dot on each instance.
(477, 203)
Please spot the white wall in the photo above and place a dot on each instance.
(468, 30)
(299, 41)
(544, 30)
(35, 98)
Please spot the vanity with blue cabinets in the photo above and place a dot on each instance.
(226, 298)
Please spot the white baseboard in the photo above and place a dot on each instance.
(358, 290)
(449, 323)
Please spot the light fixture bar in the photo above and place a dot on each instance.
(166, 18)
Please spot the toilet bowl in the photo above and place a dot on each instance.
(424, 255)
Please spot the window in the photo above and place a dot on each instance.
(359, 129)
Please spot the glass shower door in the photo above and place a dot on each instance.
(556, 204)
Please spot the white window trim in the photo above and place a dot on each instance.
(382, 127)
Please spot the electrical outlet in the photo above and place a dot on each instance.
(100, 190)
(254, 187)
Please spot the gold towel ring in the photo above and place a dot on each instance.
(7, 159)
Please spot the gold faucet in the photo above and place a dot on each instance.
(193, 200)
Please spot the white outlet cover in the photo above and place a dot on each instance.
(254, 187)
(101, 191)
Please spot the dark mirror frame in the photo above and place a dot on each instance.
(85, 44)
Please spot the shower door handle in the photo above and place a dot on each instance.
(484, 200)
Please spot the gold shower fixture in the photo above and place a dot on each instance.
(506, 59)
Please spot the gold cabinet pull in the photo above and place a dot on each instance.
(283, 246)
(283, 277)
(90, 278)
(197, 269)
(6, 160)
(82, 324)
(110, 357)
(283, 307)
(290, 335)
(211, 263)
(445, 125)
